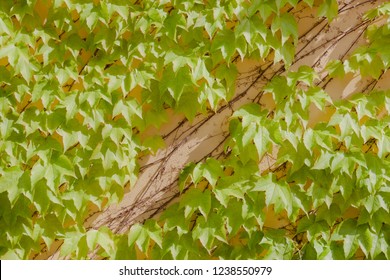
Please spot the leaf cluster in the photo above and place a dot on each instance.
(82, 83)
(328, 183)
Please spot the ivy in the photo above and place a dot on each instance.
(82, 85)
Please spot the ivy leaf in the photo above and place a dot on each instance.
(365, 239)
(348, 229)
(200, 71)
(383, 145)
(184, 175)
(170, 83)
(174, 218)
(123, 251)
(142, 234)
(304, 74)
(24, 66)
(177, 61)
(172, 23)
(321, 191)
(102, 237)
(171, 244)
(285, 53)
(188, 105)
(133, 234)
(154, 231)
(234, 216)
(207, 231)
(346, 186)
(374, 202)
(262, 140)
(329, 9)
(265, 9)
(276, 193)
(154, 143)
(309, 2)
(225, 41)
(64, 165)
(212, 170)
(228, 188)
(138, 235)
(279, 89)
(41, 198)
(319, 97)
(348, 124)
(287, 24)
(71, 242)
(245, 28)
(8, 183)
(195, 199)
(215, 94)
(69, 139)
(335, 68)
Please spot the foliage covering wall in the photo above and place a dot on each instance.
(82, 81)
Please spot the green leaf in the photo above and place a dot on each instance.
(64, 166)
(215, 94)
(170, 83)
(265, 9)
(304, 74)
(177, 61)
(212, 171)
(309, 2)
(195, 199)
(154, 143)
(138, 235)
(133, 234)
(277, 194)
(9, 183)
(374, 202)
(154, 231)
(103, 238)
(335, 69)
(287, 24)
(305, 223)
(365, 239)
(279, 89)
(41, 198)
(24, 66)
(228, 188)
(245, 28)
(184, 175)
(199, 71)
(174, 218)
(262, 140)
(285, 53)
(348, 230)
(188, 105)
(329, 9)
(234, 217)
(207, 231)
(225, 42)
(249, 113)
(71, 242)
(123, 251)
(319, 97)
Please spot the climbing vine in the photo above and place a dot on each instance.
(83, 83)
